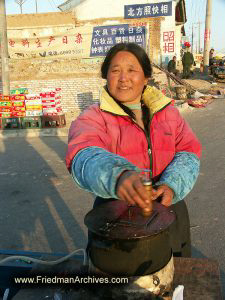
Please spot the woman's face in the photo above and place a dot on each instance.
(126, 78)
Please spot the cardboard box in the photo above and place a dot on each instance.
(5, 98)
(5, 103)
(33, 107)
(6, 109)
(48, 95)
(33, 97)
(6, 115)
(19, 108)
(33, 102)
(19, 91)
(34, 113)
(48, 101)
(18, 103)
(49, 109)
(18, 97)
(48, 106)
(19, 114)
(49, 114)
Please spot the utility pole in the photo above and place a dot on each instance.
(20, 3)
(207, 35)
(4, 50)
(197, 42)
(36, 6)
(192, 38)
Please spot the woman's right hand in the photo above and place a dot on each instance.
(130, 189)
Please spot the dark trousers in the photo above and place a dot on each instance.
(186, 71)
(180, 237)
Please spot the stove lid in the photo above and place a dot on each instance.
(117, 220)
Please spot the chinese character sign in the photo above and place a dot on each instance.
(207, 35)
(168, 42)
(148, 10)
(104, 37)
(76, 42)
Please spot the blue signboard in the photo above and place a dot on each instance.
(104, 37)
(148, 10)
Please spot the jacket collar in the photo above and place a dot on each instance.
(152, 97)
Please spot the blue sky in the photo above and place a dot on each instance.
(195, 13)
(29, 6)
(196, 10)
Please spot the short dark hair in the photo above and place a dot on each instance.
(133, 48)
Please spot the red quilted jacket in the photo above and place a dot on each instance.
(109, 127)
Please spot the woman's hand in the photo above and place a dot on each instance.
(130, 189)
(165, 192)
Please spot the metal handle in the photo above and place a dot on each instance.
(146, 212)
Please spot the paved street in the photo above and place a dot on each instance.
(42, 209)
(206, 202)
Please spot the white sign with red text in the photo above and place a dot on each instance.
(74, 42)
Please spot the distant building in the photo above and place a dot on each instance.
(65, 49)
(88, 28)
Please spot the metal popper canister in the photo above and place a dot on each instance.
(145, 175)
(130, 244)
(126, 242)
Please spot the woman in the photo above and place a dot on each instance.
(134, 127)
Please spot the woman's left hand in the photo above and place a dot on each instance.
(165, 192)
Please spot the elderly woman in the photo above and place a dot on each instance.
(134, 127)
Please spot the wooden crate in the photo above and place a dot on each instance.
(53, 121)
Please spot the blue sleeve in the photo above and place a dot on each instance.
(96, 170)
(181, 174)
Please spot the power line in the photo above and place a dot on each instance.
(20, 3)
(54, 5)
(51, 4)
(191, 5)
(194, 11)
(189, 17)
(199, 10)
(202, 9)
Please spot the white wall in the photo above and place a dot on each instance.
(92, 9)
(108, 9)
(168, 26)
(178, 41)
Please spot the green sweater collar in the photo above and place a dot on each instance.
(154, 99)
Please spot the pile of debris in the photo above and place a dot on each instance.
(182, 91)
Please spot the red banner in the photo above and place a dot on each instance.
(207, 35)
